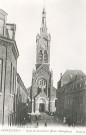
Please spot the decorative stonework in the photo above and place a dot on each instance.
(42, 85)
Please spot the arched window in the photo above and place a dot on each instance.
(40, 56)
(45, 57)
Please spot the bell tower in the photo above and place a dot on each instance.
(43, 44)
(42, 77)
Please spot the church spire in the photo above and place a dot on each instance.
(44, 17)
(43, 44)
(43, 26)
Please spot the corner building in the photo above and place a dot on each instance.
(71, 95)
(9, 79)
(8, 69)
(42, 77)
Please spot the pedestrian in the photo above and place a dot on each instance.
(54, 115)
(64, 120)
(74, 122)
(45, 124)
(69, 122)
(24, 120)
(37, 123)
(35, 118)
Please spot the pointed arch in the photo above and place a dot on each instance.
(45, 57)
(40, 56)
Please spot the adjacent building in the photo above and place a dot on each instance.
(21, 90)
(21, 100)
(8, 71)
(71, 96)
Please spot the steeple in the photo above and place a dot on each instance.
(43, 28)
(43, 44)
(44, 17)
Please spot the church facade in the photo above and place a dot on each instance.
(43, 93)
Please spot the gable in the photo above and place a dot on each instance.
(44, 69)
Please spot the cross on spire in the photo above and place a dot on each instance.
(44, 17)
(43, 26)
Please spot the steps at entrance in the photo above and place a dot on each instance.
(47, 118)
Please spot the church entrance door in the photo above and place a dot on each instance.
(41, 107)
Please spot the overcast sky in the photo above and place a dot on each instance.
(66, 22)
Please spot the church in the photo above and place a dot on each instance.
(42, 92)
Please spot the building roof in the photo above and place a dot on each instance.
(76, 85)
(9, 34)
(69, 75)
(19, 80)
(3, 12)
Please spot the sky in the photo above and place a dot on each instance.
(66, 22)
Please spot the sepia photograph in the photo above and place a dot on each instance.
(43, 66)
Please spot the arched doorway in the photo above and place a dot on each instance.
(42, 104)
(41, 107)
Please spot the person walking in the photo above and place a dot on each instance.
(64, 120)
(45, 124)
(37, 124)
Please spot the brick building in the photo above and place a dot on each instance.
(21, 100)
(8, 71)
(71, 94)
(42, 91)
(21, 90)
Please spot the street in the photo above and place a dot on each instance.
(46, 121)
